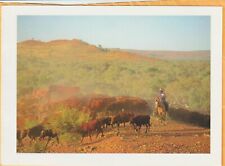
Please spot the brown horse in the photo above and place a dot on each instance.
(159, 109)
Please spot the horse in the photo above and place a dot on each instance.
(160, 109)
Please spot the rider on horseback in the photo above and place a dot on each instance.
(163, 101)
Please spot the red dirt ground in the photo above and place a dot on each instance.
(172, 137)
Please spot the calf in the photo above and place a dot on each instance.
(139, 120)
(87, 129)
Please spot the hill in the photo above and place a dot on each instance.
(73, 49)
(174, 55)
(111, 72)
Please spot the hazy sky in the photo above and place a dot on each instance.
(131, 32)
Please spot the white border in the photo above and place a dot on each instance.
(8, 108)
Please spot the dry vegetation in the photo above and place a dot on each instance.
(62, 84)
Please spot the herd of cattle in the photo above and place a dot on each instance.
(89, 128)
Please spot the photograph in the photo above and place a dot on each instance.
(113, 84)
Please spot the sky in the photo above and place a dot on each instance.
(179, 33)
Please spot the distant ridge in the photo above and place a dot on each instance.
(74, 48)
(31, 42)
(58, 41)
(174, 55)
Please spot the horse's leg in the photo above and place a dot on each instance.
(163, 117)
(155, 113)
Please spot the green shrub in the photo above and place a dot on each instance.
(69, 137)
(30, 123)
(67, 119)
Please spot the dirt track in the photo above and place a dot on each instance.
(172, 137)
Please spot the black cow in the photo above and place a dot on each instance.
(35, 132)
(50, 134)
(139, 120)
(105, 121)
(122, 117)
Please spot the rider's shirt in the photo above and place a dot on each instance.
(162, 97)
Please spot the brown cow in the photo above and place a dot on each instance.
(87, 129)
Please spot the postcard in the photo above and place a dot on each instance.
(111, 85)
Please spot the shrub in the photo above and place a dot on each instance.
(69, 137)
(30, 123)
(66, 119)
